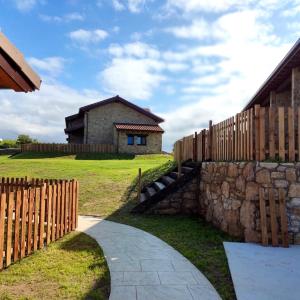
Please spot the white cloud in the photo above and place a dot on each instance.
(199, 29)
(132, 78)
(118, 5)
(134, 6)
(75, 16)
(53, 66)
(41, 114)
(25, 5)
(83, 36)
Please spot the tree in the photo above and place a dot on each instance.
(25, 139)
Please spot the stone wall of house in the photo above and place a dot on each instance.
(183, 201)
(153, 143)
(228, 195)
(100, 121)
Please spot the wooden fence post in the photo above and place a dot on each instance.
(179, 157)
(139, 184)
(257, 135)
(196, 147)
(209, 140)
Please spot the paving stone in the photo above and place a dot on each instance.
(177, 278)
(123, 292)
(163, 292)
(140, 278)
(200, 293)
(156, 265)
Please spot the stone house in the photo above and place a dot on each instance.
(118, 122)
(282, 87)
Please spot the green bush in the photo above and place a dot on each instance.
(5, 144)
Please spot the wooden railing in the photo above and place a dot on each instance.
(69, 148)
(259, 133)
(34, 213)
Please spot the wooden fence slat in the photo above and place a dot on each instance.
(54, 201)
(62, 213)
(9, 228)
(2, 223)
(17, 226)
(263, 217)
(273, 219)
(281, 133)
(283, 218)
(291, 134)
(49, 213)
(36, 218)
(23, 222)
(58, 206)
(42, 216)
(30, 220)
(271, 133)
(262, 142)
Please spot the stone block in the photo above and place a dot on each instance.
(263, 176)
(247, 214)
(251, 191)
(248, 171)
(281, 183)
(277, 175)
(232, 170)
(240, 184)
(225, 189)
(268, 165)
(294, 190)
(290, 174)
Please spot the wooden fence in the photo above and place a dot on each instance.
(34, 213)
(70, 148)
(259, 133)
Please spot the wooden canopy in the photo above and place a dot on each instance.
(15, 73)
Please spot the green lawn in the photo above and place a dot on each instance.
(108, 189)
(72, 268)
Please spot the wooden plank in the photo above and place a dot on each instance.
(76, 203)
(24, 221)
(2, 223)
(30, 220)
(17, 226)
(291, 134)
(58, 209)
(281, 133)
(42, 217)
(271, 133)
(263, 218)
(9, 228)
(262, 141)
(37, 192)
(54, 201)
(283, 218)
(256, 131)
(49, 213)
(62, 213)
(274, 227)
(66, 207)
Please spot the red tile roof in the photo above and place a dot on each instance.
(139, 127)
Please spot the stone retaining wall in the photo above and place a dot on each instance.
(228, 195)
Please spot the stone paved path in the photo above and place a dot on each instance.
(143, 267)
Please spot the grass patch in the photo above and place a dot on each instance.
(103, 182)
(72, 268)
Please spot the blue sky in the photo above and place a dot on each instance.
(189, 61)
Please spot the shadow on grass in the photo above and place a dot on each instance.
(79, 156)
(192, 236)
(83, 243)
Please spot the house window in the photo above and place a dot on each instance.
(130, 139)
(141, 140)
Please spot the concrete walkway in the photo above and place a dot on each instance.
(264, 273)
(143, 266)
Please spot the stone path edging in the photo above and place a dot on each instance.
(144, 267)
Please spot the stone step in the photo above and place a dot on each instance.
(143, 197)
(158, 186)
(186, 169)
(150, 191)
(173, 175)
(167, 180)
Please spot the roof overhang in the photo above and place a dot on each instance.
(15, 73)
(138, 127)
(281, 72)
